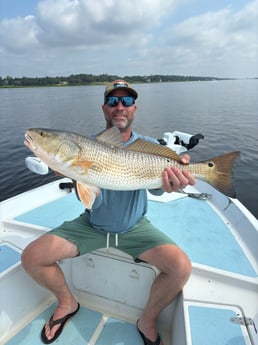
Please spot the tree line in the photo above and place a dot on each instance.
(89, 79)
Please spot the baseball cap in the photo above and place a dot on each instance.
(120, 84)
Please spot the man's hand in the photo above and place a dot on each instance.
(175, 179)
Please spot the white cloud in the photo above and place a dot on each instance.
(80, 30)
(218, 41)
(129, 37)
(85, 22)
(18, 34)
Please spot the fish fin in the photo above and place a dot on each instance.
(87, 193)
(154, 149)
(111, 136)
(82, 164)
(220, 175)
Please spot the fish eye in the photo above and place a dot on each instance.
(210, 164)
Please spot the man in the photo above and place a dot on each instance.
(115, 212)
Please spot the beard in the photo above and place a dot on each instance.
(121, 122)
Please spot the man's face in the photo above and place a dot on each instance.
(119, 116)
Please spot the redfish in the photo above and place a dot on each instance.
(104, 162)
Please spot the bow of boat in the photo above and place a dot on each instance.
(217, 306)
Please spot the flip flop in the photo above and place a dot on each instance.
(52, 323)
(147, 341)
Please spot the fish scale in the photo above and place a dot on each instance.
(119, 168)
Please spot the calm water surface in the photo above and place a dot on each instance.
(225, 112)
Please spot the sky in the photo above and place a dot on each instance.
(216, 38)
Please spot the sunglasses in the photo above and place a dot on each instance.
(113, 101)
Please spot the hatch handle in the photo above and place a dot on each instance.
(244, 321)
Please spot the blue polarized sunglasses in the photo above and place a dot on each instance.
(113, 101)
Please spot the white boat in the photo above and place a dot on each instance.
(218, 306)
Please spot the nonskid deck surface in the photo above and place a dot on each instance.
(202, 234)
(86, 327)
(89, 327)
(53, 213)
(191, 223)
(8, 257)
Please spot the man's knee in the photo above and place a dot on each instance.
(184, 266)
(36, 252)
(179, 261)
(47, 250)
(27, 257)
(169, 259)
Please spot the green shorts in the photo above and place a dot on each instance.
(138, 239)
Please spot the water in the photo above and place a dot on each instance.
(225, 112)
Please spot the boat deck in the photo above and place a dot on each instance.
(209, 240)
(86, 327)
(90, 327)
(203, 235)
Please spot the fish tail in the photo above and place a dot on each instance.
(220, 172)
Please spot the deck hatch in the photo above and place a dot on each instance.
(211, 324)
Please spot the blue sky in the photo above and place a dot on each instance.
(188, 37)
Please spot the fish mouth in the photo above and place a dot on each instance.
(29, 142)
